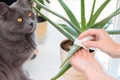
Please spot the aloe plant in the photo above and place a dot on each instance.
(42, 2)
(73, 25)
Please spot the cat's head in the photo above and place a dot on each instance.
(17, 18)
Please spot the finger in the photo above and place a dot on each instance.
(89, 44)
(91, 55)
(90, 32)
(80, 53)
(84, 52)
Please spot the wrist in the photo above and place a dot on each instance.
(98, 75)
(93, 74)
(116, 51)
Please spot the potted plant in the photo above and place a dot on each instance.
(73, 28)
(42, 23)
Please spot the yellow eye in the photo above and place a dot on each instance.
(19, 19)
(29, 14)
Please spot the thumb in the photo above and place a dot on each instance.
(89, 44)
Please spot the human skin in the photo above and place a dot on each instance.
(84, 62)
(101, 41)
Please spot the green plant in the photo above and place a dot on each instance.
(42, 2)
(73, 26)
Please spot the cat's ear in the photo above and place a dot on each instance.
(4, 9)
(25, 3)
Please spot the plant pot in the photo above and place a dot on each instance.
(41, 29)
(71, 74)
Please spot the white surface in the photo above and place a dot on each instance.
(47, 63)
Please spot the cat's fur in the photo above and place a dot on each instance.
(16, 39)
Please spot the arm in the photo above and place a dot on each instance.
(99, 75)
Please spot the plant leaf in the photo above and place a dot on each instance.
(62, 30)
(107, 24)
(98, 12)
(41, 1)
(70, 15)
(56, 14)
(62, 71)
(102, 23)
(71, 52)
(113, 32)
(91, 15)
(48, 1)
(83, 20)
(69, 29)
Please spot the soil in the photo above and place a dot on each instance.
(40, 19)
(66, 45)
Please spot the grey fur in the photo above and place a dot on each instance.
(17, 41)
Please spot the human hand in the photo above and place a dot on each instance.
(102, 41)
(85, 63)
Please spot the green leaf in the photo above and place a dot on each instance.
(47, 1)
(113, 32)
(83, 20)
(62, 30)
(71, 52)
(91, 15)
(62, 71)
(56, 14)
(41, 1)
(69, 29)
(107, 24)
(70, 15)
(98, 12)
(102, 23)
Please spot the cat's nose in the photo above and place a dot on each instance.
(31, 23)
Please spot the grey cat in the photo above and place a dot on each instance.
(17, 33)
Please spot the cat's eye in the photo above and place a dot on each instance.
(30, 14)
(19, 19)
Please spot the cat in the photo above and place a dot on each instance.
(17, 38)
